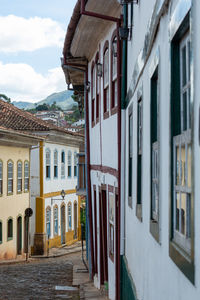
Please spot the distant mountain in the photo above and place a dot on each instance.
(62, 99)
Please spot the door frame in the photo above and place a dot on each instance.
(63, 223)
(19, 235)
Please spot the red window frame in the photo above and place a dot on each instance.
(106, 88)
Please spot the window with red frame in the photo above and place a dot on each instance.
(93, 93)
(114, 74)
(97, 92)
(106, 80)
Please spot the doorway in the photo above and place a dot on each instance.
(19, 235)
(103, 236)
(63, 224)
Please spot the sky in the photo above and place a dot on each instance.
(32, 36)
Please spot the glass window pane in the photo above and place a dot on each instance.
(183, 166)
(177, 210)
(183, 213)
(189, 166)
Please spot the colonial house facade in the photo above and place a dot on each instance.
(161, 215)
(53, 179)
(14, 191)
(94, 71)
(143, 161)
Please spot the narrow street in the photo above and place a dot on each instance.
(41, 279)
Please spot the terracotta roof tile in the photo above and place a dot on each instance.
(17, 119)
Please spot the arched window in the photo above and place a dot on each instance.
(48, 163)
(69, 216)
(69, 164)
(19, 176)
(114, 73)
(106, 81)
(97, 90)
(93, 93)
(75, 164)
(26, 176)
(55, 213)
(10, 229)
(1, 177)
(62, 164)
(55, 164)
(10, 177)
(1, 234)
(48, 222)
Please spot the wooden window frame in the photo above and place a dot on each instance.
(55, 166)
(62, 164)
(26, 178)
(113, 79)
(19, 178)
(9, 234)
(54, 219)
(106, 88)
(69, 164)
(98, 89)
(179, 253)
(130, 157)
(10, 179)
(48, 209)
(48, 164)
(93, 94)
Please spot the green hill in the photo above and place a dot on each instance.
(62, 99)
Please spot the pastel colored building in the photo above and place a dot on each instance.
(53, 169)
(14, 191)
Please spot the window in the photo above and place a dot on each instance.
(106, 82)
(55, 220)
(55, 164)
(69, 164)
(48, 164)
(70, 216)
(111, 225)
(75, 164)
(114, 73)
(62, 164)
(130, 156)
(19, 176)
(182, 153)
(10, 229)
(10, 177)
(154, 147)
(97, 90)
(1, 234)
(139, 160)
(93, 94)
(26, 176)
(1, 177)
(48, 222)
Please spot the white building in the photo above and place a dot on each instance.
(102, 126)
(161, 247)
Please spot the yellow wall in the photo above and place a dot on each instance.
(12, 205)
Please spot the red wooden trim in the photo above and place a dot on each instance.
(105, 169)
(106, 113)
(112, 106)
(92, 97)
(97, 95)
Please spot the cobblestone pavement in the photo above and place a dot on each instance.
(41, 279)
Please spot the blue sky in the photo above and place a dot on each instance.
(31, 39)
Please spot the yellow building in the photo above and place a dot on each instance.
(14, 192)
(53, 168)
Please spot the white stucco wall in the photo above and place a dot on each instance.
(154, 273)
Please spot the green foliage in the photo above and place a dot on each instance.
(75, 116)
(5, 98)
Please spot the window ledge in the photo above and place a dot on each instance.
(154, 229)
(113, 110)
(106, 115)
(183, 261)
(139, 212)
(9, 239)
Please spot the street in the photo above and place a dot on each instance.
(41, 279)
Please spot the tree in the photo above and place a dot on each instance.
(5, 98)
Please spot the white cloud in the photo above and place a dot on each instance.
(20, 82)
(20, 34)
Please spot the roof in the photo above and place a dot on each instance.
(14, 118)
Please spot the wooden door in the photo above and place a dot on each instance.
(63, 224)
(95, 233)
(19, 235)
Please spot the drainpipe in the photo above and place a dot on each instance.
(87, 152)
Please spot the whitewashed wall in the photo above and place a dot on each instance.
(154, 274)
